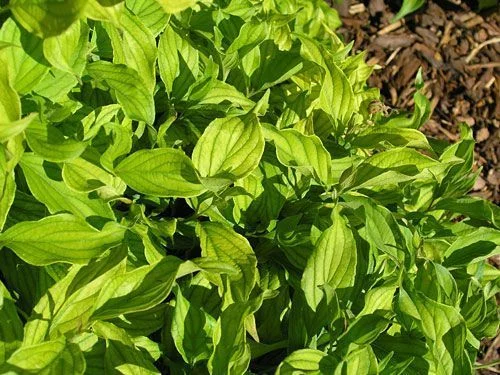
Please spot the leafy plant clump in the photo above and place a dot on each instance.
(211, 187)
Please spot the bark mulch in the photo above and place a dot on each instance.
(458, 50)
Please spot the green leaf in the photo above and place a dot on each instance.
(221, 242)
(45, 183)
(359, 361)
(8, 193)
(379, 136)
(297, 150)
(175, 52)
(131, 90)
(480, 244)
(25, 61)
(191, 330)
(11, 327)
(137, 290)
(83, 176)
(445, 329)
(68, 51)
(47, 358)
(120, 144)
(332, 263)
(9, 130)
(175, 6)
(216, 92)
(150, 13)
(161, 172)
(336, 96)
(387, 168)
(243, 148)
(47, 18)
(60, 238)
(408, 6)
(231, 352)
(134, 46)
(10, 104)
(307, 361)
(472, 207)
(121, 353)
(49, 142)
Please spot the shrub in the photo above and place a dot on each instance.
(193, 187)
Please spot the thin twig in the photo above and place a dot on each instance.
(484, 66)
(476, 50)
(391, 27)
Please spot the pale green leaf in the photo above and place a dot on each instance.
(223, 243)
(445, 330)
(229, 148)
(162, 172)
(480, 244)
(81, 175)
(9, 130)
(131, 91)
(134, 46)
(379, 136)
(47, 141)
(175, 6)
(297, 150)
(150, 13)
(120, 144)
(231, 353)
(122, 355)
(10, 104)
(408, 6)
(48, 188)
(68, 51)
(47, 18)
(50, 357)
(60, 238)
(7, 195)
(24, 60)
(332, 263)
(46, 185)
(191, 330)
(11, 327)
(137, 290)
(178, 61)
(337, 97)
(307, 361)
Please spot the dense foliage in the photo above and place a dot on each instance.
(210, 187)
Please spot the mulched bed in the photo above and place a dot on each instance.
(458, 50)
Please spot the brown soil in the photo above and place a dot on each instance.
(458, 50)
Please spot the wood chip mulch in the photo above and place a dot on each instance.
(459, 52)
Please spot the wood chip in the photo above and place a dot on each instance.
(357, 8)
(476, 20)
(479, 185)
(446, 34)
(482, 135)
(427, 35)
(391, 27)
(394, 41)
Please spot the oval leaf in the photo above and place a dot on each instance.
(131, 91)
(163, 172)
(229, 148)
(60, 238)
(332, 263)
